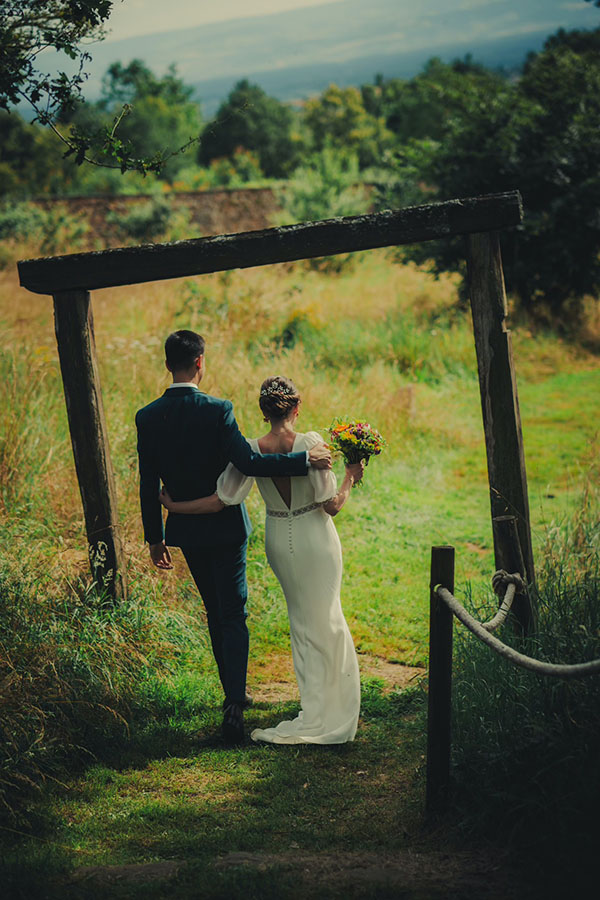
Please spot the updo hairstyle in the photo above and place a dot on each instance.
(278, 397)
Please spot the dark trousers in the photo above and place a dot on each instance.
(220, 576)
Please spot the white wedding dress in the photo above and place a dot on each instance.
(304, 551)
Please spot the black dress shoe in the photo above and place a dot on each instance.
(233, 724)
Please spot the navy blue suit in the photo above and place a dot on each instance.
(185, 440)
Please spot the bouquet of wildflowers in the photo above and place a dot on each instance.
(355, 440)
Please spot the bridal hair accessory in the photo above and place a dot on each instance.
(277, 390)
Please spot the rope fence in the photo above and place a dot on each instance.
(443, 608)
(482, 631)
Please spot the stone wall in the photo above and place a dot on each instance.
(212, 212)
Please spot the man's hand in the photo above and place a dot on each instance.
(320, 457)
(160, 556)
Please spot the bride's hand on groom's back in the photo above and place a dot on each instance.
(165, 498)
(320, 456)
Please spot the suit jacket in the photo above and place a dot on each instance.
(185, 439)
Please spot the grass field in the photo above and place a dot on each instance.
(377, 340)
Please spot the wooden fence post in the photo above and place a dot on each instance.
(510, 558)
(77, 352)
(498, 387)
(440, 681)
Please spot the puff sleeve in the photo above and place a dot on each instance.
(232, 486)
(323, 481)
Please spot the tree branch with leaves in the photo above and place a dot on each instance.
(69, 27)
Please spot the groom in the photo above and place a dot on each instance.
(185, 440)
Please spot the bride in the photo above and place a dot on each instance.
(304, 551)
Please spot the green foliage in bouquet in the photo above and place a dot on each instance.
(355, 440)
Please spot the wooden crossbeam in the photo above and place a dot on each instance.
(153, 262)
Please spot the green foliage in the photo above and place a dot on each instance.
(426, 106)
(252, 120)
(145, 221)
(337, 119)
(26, 29)
(536, 135)
(53, 230)
(69, 669)
(159, 113)
(18, 220)
(163, 117)
(93, 180)
(237, 170)
(31, 159)
(328, 185)
(526, 746)
(135, 81)
(400, 341)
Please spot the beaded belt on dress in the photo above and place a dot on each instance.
(291, 513)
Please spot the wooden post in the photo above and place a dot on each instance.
(498, 387)
(440, 681)
(510, 558)
(77, 352)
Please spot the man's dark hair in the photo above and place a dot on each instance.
(182, 348)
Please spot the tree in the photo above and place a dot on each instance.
(538, 136)
(250, 119)
(160, 113)
(128, 84)
(31, 160)
(338, 118)
(28, 27)
(423, 106)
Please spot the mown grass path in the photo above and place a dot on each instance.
(263, 821)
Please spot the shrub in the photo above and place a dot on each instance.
(145, 221)
(19, 220)
(328, 186)
(526, 746)
(52, 231)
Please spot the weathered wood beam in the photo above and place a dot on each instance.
(77, 352)
(498, 389)
(153, 262)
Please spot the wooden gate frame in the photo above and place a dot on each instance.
(69, 279)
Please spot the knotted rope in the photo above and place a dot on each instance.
(480, 630)
(512, 584)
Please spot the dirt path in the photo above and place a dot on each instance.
(273, 680)
(430, 875)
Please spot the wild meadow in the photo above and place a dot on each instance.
(111, 713)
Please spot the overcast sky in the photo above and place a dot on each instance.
(134, 17)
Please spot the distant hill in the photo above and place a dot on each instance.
(297, 53)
